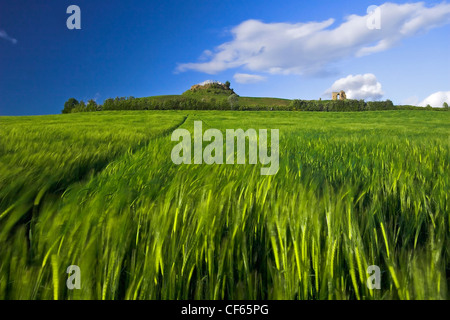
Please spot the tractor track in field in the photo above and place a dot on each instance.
(57, 190)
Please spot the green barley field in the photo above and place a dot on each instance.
(100, 191)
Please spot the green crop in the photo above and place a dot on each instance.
(100, 191)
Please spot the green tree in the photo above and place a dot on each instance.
(91, 106)
(227, 84)
(69, 105)
(81, 107)
(108, 104)
(233, 100)
(445, 106)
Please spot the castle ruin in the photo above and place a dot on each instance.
(341, 95)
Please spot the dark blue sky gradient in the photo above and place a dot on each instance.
(129, 48)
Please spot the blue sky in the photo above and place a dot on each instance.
(287, 49)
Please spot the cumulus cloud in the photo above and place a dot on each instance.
(5, 36)
(245, 78)
(436, 99)
(309, 48)
(360, 86)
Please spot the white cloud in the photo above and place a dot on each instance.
(245, 78)
(308, 48)
(206, 55)
(436, 99)
(5, 36)
(360, 86)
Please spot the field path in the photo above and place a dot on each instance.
(23, 211)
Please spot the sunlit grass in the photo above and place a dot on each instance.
(353, 190)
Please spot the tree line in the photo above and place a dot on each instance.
(233, 103)
(73, 105)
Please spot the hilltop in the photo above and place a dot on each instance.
(209, 87)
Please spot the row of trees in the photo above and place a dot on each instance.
(181, 103)
(341, 105)
(72, 106)
(231, 103)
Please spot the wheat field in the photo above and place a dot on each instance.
(99, 190)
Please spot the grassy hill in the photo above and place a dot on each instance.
(270, 102)
(217, 93)
(202, 97)
(216, 96)
(247, 101)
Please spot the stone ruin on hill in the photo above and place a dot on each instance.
(341, 95)
(209, 84)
